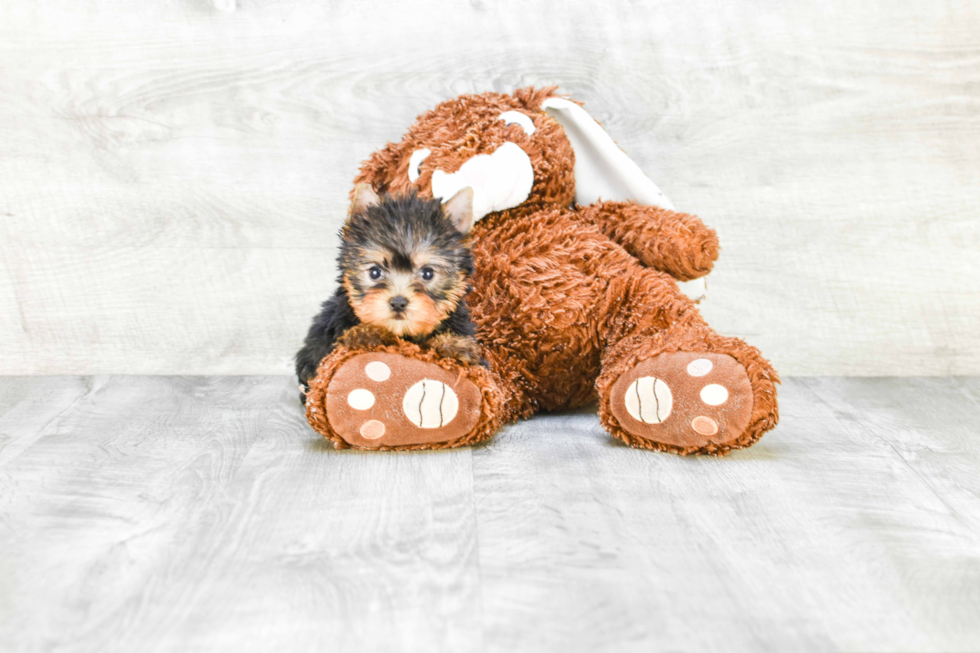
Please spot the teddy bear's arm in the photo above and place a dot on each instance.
(676, 243)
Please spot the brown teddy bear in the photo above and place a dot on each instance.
(575, 296)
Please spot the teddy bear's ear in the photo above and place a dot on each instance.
(602, 170)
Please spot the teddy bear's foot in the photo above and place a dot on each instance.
(686, 402)
(382, 400)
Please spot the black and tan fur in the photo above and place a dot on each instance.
(405, 270)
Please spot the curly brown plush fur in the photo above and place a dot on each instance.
(566, 299)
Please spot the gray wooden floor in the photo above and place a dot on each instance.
(202, 514)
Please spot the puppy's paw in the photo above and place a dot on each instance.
(366, 336)
(464, 349)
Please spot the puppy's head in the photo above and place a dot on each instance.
(404, 260)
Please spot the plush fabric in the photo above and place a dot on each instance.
(485, 406)
(570, 299)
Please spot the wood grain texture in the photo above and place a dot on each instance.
(173, 172)
(852, 527)
(202, 514)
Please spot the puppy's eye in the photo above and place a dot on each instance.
(415, 163)
(427, 273)
(511, 117)
(375, 272)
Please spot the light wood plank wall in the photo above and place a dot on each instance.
(173, 173)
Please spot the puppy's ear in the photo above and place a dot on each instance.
(459, 210)
(363, 197)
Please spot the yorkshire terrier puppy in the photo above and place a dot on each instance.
(404, 273)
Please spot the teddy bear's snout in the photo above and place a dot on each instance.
(501, 180)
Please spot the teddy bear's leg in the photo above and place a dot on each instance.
(401, 397)
(671, 383)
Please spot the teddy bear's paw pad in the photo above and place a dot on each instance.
(684, 399)
(387, 400)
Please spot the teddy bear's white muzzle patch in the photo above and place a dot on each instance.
(501, 180)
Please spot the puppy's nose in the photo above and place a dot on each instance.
(398, 304)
